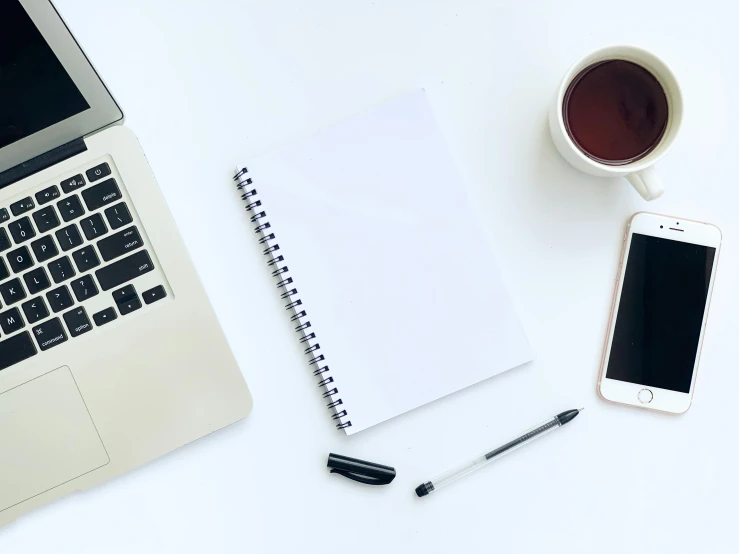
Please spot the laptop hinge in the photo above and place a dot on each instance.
(39, 163)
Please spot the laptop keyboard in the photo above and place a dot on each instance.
(71, 255)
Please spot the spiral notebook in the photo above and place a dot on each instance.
(387, 279)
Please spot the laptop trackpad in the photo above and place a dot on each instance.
(46, 437)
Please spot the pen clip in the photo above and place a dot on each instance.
(361, 471)
(362, 478)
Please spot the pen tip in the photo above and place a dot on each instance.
(580, 410)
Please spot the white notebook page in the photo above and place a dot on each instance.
(398, 282)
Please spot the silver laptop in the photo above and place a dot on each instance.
(110, 353)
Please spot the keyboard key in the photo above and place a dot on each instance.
(16, 349)
(11, 321)
(20, 259)
(59, 299)
(98, 172)
(47, 195)
(46, 219)
(131, 306)
(12, 291)
(120, 243)
(22, 206)
(73, 183)
(86, 258)
(50, 334)
(106, 316)
(118, 216)
(93, 226)
(4, 273)
(101, 195)
(84, 288)
(127, 300)
(35, 310)
(4, 215)
(152, 295)
(22, 230)
(61, 269)
(124, 270)
(44, 248)
(4, 240)
(125, 294)
(69, 237)
(37, 280)
(77, 322)
(70, 208)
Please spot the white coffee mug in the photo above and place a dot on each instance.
(640, 173)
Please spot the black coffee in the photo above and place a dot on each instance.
(615, 111)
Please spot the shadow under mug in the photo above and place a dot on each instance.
(640, 173)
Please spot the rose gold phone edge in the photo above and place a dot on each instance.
(610, 328)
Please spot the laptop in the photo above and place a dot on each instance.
(110, 352)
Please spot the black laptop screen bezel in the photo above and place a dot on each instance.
(103, 110)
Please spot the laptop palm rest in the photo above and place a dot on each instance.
(47, 437)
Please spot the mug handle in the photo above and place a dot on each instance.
(647, 183)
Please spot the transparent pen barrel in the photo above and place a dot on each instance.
(454, 474)
(506, 448)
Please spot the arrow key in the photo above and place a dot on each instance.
(106, 316)
(131, 306)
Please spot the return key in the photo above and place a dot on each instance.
(119, 244)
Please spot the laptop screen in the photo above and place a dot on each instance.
(35, 90)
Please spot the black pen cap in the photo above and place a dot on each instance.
(360, 470)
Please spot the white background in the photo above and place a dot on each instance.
(208, 84)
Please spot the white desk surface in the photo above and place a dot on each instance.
(206, 84)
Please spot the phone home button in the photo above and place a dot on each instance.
(645, 396)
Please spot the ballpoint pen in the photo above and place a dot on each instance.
(445, 478)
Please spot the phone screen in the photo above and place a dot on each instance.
(660, 315)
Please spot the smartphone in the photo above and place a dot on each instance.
(660, 307)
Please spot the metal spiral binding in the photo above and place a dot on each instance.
(280, 271)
